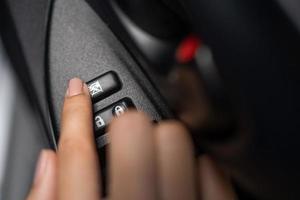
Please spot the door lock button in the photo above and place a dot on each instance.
(119, 109)
(104, 86)
(104, 117)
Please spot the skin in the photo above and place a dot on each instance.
(147, 161)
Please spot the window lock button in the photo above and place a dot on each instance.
(104, 86)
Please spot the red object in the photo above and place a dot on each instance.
(187, 49)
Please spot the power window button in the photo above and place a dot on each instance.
(104, 86)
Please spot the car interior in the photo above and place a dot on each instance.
(228, 70)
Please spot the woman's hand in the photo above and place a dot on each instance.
(147, 161)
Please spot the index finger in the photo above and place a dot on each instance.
(78, 176)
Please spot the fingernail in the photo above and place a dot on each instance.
(41, 166)
(75, 87)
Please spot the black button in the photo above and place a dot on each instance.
(120, 108)
(104, 86)
(102, 140)
(104, 117)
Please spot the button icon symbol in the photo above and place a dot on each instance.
(95, 88)
(119, 110)
(99, 122)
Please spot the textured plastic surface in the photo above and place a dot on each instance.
(21, 135)
(23, 30)
(81, 45)
(27, 32)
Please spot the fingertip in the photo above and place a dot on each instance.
(173, 132)
(176, 164)
(52, 158)
(172, 126)
(130, 119)
(76, 119)
(132, 151)
(76, 86)
(44, 186)
(50, 153)
(45, 159)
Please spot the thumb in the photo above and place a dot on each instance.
(44, 184)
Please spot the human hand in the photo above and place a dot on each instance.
(147, 161)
